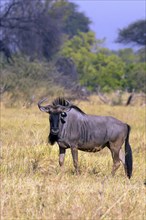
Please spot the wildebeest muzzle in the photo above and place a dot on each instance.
(54, 124)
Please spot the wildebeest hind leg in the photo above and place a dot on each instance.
(122, 158)
(115, 155)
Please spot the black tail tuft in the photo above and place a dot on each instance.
(128, 155)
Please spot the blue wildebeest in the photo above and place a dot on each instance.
(71, 128)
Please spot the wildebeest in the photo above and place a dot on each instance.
(71, 128)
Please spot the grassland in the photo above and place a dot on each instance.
(34, 187)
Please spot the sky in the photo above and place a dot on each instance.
(108, 16)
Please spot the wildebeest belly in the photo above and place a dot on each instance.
(91, 149)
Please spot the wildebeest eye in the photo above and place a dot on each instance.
(63, 114)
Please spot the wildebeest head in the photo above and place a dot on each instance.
(58, 112)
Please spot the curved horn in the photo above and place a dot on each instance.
(43, 108)
(41, 101)
(67, 103)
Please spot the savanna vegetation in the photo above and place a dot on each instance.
(49, 50)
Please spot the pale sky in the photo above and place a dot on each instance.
(110, 15)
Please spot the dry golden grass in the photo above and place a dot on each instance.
(34, 187)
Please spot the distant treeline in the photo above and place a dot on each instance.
(48, 44)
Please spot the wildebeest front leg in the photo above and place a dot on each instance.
(74, 152)
(61, 155)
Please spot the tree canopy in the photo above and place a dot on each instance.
(134, 33)
(100, 68)
(37, 28)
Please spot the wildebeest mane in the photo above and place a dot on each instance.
(78, 109)
(63, 102)
(60, 101)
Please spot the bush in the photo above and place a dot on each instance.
(28, 81)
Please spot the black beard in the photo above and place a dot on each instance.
(52, 138)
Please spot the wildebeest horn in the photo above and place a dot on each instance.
(67, 102)
(43, 108)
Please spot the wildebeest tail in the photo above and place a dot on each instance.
(128, 155)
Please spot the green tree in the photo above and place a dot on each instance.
(135, 75)
(79, 48)
(96, 66)
(141, 54)
(110, 71)
(127, 55)
(133, 33)
(75, 21)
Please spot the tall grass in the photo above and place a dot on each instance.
(34, 187)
